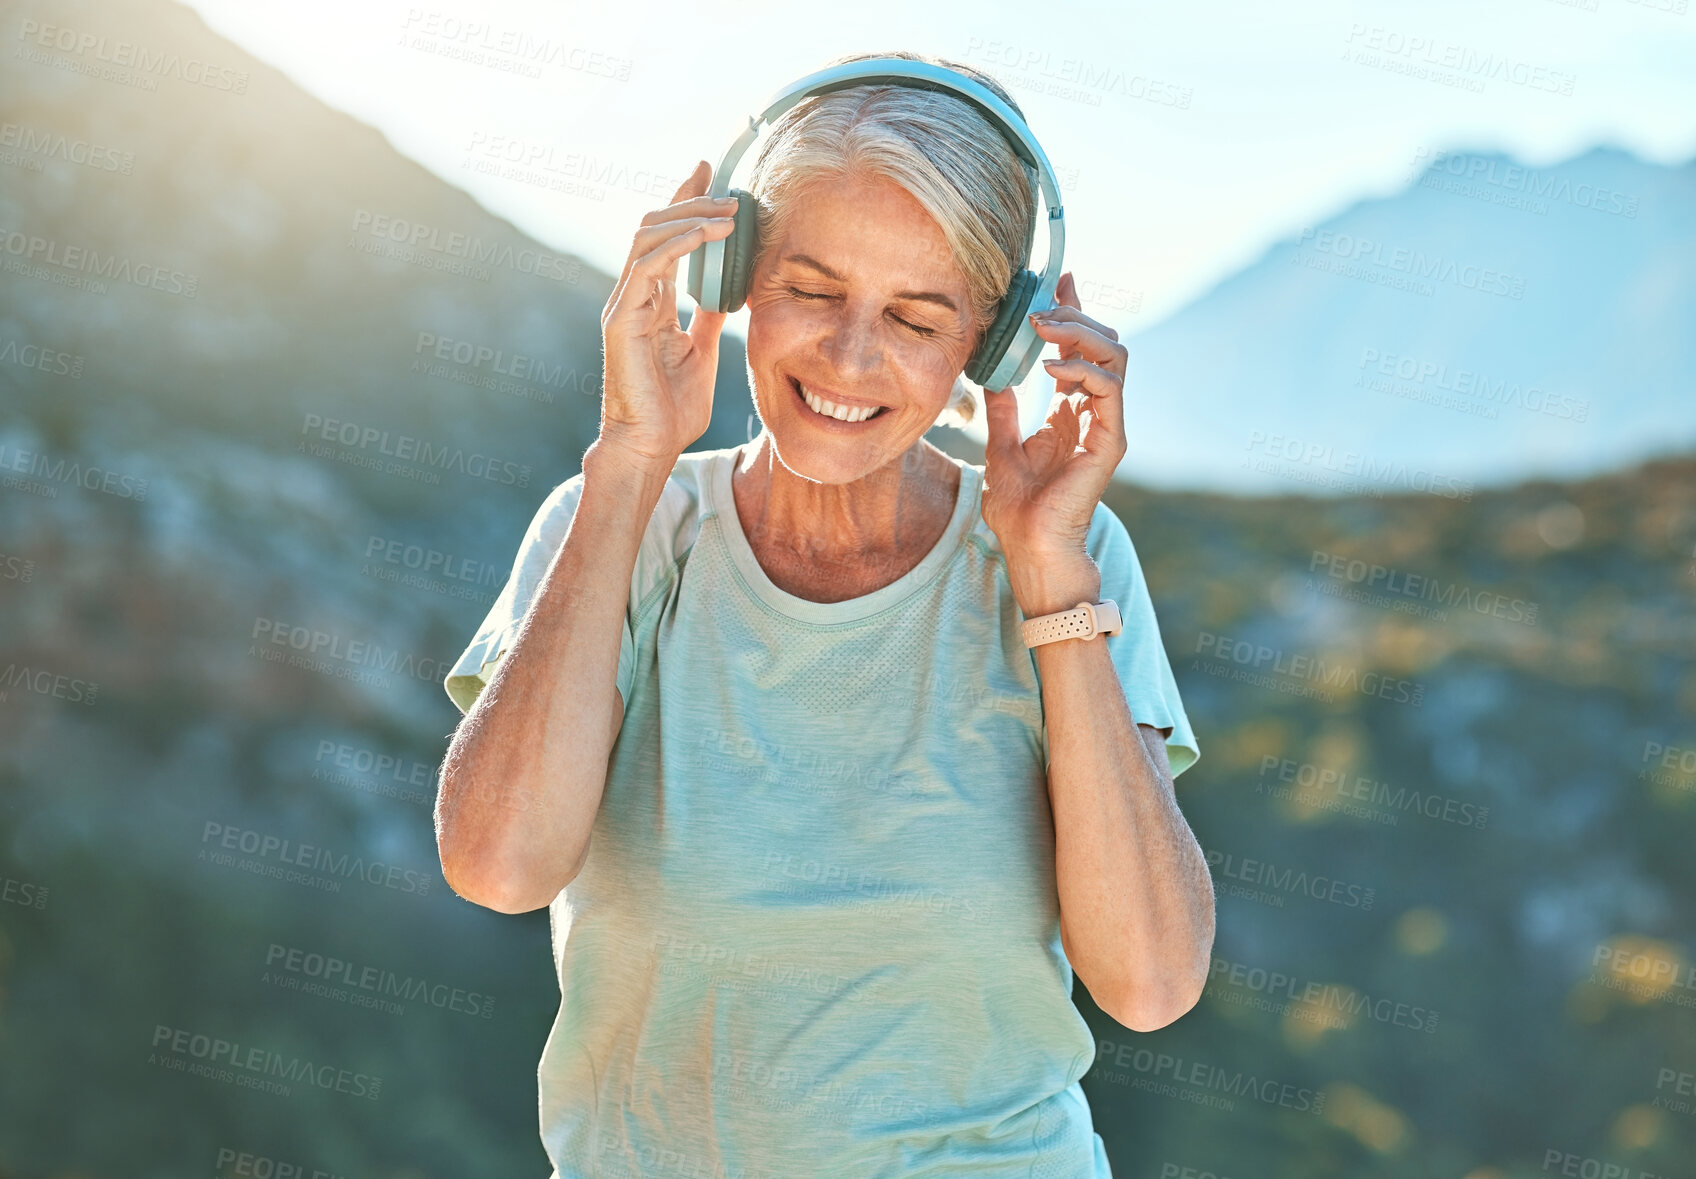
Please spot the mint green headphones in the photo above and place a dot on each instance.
(719, 270)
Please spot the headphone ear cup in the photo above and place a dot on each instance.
(1009, 315)
(739, 249)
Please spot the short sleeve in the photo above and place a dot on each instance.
(1138, 654)
(476, 665)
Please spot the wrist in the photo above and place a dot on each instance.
(607, 463)
(1048, 585)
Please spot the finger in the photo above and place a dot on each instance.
(1096, 381)
(654, 244)
(1106, 404)
(704, 328)
(649, 236)
(1001, 419)
(1066, 291)
(1061, 314)
(647, 271)
(695, 182)
(699, 206)
(688, 200)
(1077, 340)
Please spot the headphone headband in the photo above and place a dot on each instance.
(900, 71)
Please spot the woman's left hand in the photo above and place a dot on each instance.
(1040, 493)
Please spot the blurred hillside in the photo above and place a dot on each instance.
(1484, 712)
(1491, 322)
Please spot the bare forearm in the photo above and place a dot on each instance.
(524, 773)
(1136, 900)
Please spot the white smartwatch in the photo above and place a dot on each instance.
(1083, 621)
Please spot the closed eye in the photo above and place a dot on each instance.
(923, 331)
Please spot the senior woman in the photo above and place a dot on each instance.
(822, 840)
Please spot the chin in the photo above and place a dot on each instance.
(826, 450)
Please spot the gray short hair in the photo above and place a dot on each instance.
(942, 149)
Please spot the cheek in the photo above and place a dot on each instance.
(931, 364)
(777, 328)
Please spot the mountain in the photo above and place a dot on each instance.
(1493, 697)
(1491, 322)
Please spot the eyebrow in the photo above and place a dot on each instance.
(915, 296)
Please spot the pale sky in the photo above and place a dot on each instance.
(1187, 137)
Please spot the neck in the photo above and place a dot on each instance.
(903, 506)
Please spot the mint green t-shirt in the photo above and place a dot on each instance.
(817, 931)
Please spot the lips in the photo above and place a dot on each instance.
(830, 417)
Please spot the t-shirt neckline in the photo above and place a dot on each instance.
(853, 609)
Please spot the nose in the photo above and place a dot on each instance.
(854, 345)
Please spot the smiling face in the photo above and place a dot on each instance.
(862, 305)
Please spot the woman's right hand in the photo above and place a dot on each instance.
(657, 391)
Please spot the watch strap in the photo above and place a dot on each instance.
(1083, 621)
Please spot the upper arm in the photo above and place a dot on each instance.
(1137, 651)
(1154, 741)
(475, 666)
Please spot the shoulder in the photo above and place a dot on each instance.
(685, 501)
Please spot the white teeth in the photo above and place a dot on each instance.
(841, 413)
